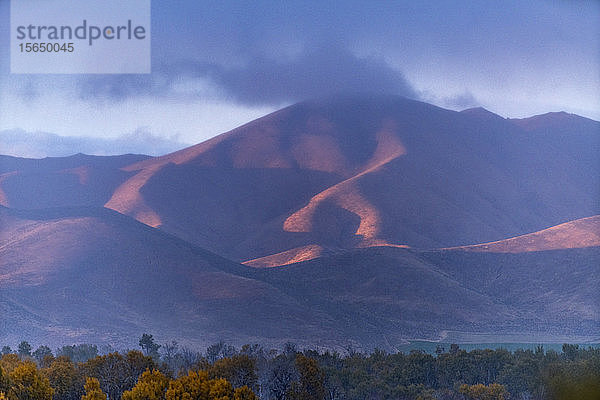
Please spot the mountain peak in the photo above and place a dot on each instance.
(480, 112)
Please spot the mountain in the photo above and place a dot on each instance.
(352, 172)
(349, 220)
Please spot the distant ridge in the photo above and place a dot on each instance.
(581, 233)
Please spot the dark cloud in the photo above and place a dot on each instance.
(20, 143)
(316, 73)
(261, 80)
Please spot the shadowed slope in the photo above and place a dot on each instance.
(554, 293)
(92, 275)
(78, 180)
(388, 294)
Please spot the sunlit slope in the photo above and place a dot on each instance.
(581, 233)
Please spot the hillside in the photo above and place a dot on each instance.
(92, 275)
(355, 172)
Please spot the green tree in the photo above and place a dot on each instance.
(117, 373)
(78, 353)
(92, 390)
(41, 352)
(280, 376)
(24, 349)
(575, 380)
(570, 351)
(148, 345)
(219, 350)
(310, 385)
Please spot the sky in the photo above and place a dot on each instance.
(219, 64)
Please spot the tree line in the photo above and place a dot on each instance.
(170, 371)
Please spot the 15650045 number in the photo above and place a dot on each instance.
(46, 47)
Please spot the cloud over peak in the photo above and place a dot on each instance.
(261, 79)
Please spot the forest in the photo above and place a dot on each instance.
(223, 372)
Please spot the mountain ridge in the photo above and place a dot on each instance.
(329, 204)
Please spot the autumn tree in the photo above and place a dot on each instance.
(494, 391)
(92, 390)
(27, 383)
(65, 378)
(219, 389)
(152, 385)
(4, 382)
(194, 385)
(9, 362)
(244, 393)
(239, 370)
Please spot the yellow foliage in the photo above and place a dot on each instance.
(494, 391)
(193, 386)
(244, 393)
(92, 390)
(220, 389)
(9, 362)
(150, 386)
(26, 382)
(198, 386)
